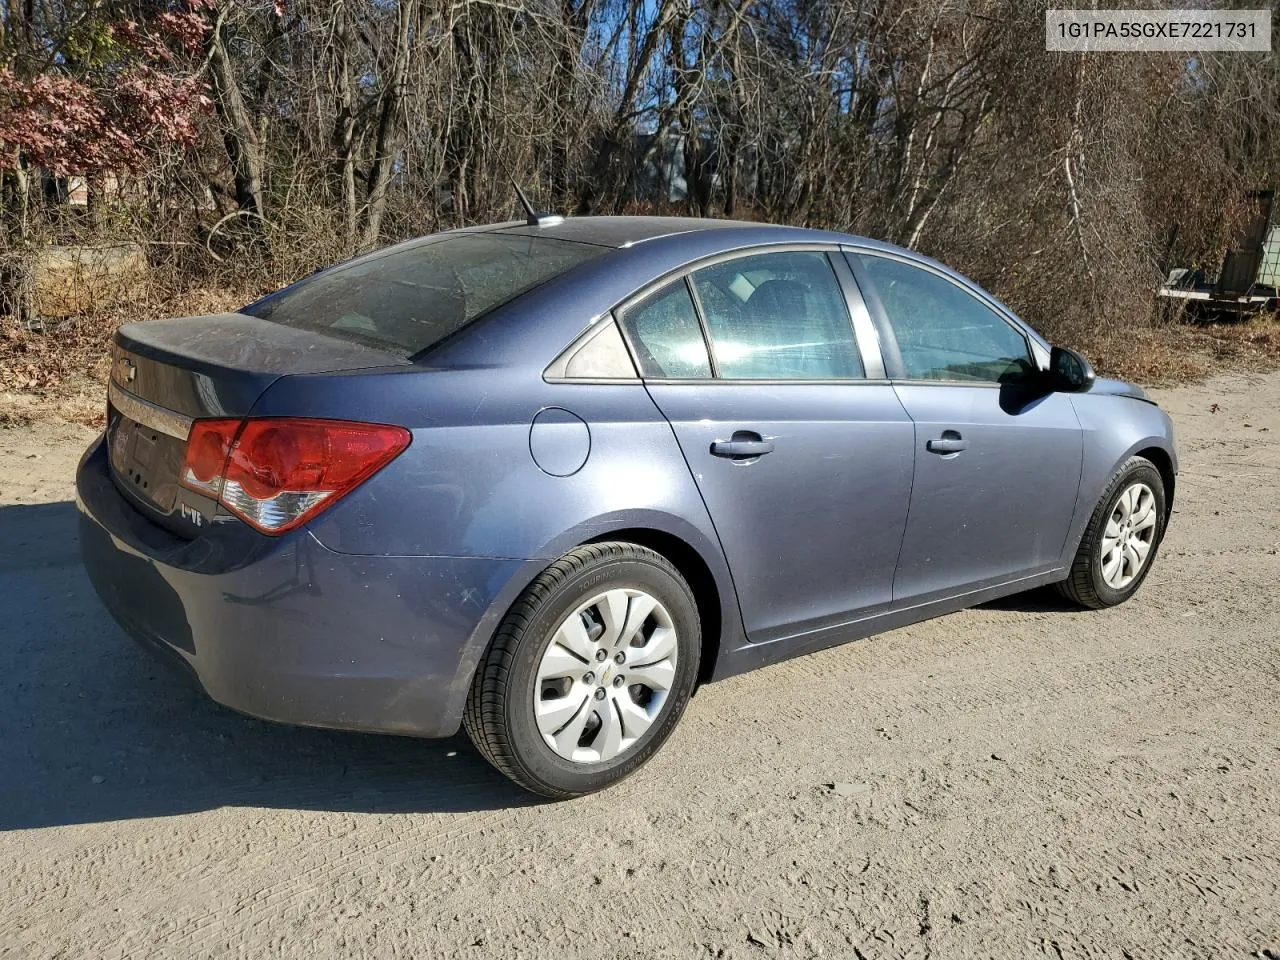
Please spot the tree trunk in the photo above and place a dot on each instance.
(576, 20)
(95, 200)
(239, 133)
(619, 138)
(386, 143)
(697, 182)
(21, 292)
(344, 126)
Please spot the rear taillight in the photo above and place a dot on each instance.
(277, 473)
(207, 447)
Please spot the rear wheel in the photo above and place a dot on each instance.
(1121, 540)
(589, 672)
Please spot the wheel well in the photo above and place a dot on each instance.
(1165, 465)
(696, 573)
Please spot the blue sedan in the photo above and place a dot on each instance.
(541, 479)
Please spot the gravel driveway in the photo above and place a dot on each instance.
(1016, 780)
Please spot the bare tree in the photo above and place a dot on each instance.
(239, 129)
(336, 125)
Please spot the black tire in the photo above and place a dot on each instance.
(1085, 584)
(499, 716)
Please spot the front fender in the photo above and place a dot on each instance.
(1116, 427)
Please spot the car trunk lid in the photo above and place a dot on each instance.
(167, 373)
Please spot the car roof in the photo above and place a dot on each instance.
(707, 235)
(629, 231)
(643, 250)
(623, 232)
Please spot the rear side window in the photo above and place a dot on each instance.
(411, 298)
(667, 336)
(778, 316)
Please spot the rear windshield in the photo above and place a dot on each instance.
(410, 299)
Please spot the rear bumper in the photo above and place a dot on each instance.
(288, 630)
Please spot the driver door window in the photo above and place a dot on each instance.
(944, 332)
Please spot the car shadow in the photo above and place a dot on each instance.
(95, 730)
(1039, 600)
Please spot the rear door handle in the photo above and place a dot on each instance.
(744, 445)
(949, 442)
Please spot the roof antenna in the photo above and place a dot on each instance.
(532, 217)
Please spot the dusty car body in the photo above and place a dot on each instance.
(809, 481)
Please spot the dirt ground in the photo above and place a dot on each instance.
(1012, 781)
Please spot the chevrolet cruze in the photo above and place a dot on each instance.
(541, 479)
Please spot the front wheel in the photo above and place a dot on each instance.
(589, 672)
(1121, 540)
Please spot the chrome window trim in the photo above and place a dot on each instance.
(148, 414)
(701, 314)
(986, 384)
(869, 350)
(1040, 354)
(598, 381)
(864, 329)
(724, 255)
(773, 382)
(955, 280)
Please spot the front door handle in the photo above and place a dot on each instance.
(949, 442)
(744, 445)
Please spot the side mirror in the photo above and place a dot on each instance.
(1069, 372)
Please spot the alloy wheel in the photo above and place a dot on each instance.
(1129, 536)
(605, 676)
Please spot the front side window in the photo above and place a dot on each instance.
(943, 331)
(410, 298)
(778, 316)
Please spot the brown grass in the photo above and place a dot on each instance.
(1253, 343)
(61, 371)
(1153, 356)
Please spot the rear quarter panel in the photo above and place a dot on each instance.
(469, 486)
